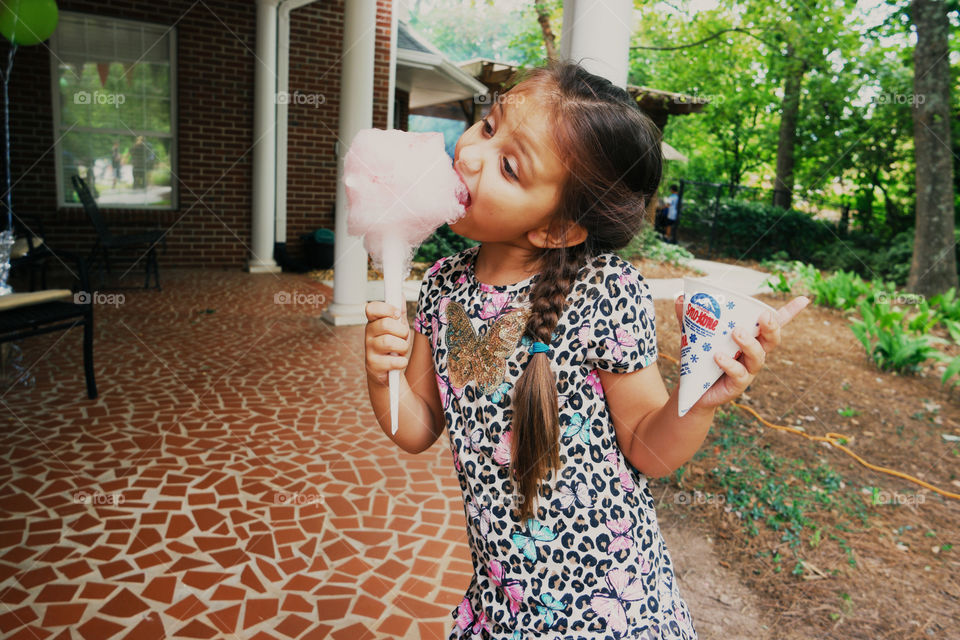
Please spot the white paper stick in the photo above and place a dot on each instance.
(394, 256)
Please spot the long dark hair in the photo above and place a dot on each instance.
(612, 154)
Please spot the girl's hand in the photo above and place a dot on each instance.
(739, 372)
(387, 341)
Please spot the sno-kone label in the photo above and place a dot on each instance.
(710, 314)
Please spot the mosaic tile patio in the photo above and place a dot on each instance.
(230, 480)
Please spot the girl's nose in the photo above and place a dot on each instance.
(468, 161)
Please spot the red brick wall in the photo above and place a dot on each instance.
(216, 43)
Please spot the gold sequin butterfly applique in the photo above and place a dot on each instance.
(470, 357)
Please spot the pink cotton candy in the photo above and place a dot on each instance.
(400, 187)
(400, 184)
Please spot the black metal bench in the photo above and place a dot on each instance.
(58, 315)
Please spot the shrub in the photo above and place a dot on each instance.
(647, 244)
(892, 347)
(443, 242)
(742, 229)
(952, 371)
(947, 304)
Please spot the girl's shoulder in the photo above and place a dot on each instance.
(606, 266)
(452, 266)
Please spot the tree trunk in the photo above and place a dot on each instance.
(790, 112)
(933, 269)
(548, 38)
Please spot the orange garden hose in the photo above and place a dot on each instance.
(835, 440)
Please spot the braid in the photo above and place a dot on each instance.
(536, 422)
(613, 161)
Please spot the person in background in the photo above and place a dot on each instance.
(670, 228)
(138, 157)
(115, 161)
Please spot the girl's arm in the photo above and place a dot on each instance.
(649, 433)
(651, 436)
(421, 413)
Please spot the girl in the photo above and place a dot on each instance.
(537, 351)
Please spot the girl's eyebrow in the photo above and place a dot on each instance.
(519, 139)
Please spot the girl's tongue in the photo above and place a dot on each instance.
(463, 195)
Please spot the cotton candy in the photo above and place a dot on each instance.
(400, 187)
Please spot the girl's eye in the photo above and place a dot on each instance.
(508, 169)
(506, 163)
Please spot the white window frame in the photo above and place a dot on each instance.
(159, 29)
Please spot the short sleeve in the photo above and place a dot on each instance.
(421, 321)
(622, 333)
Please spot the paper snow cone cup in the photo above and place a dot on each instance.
(710, 314)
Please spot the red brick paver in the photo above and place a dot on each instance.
(230, 479)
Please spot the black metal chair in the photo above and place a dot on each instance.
(107, 241)
(58, 315)
(34, 255)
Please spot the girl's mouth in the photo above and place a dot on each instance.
(463, 192)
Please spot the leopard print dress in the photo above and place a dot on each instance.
(592, 563)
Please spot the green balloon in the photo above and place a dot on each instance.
(25, 22)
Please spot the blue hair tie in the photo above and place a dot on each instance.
(539, 347)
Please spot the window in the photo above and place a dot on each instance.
(114, 97)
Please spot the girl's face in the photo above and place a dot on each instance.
(509, 164)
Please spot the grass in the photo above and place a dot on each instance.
(804, 504)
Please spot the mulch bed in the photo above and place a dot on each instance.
(905, 585)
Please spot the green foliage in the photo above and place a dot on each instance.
(924, 318)
(781, 284)
(952, 371)
(842, 290)
(647, 244)
(782, 494)
(757, 230)
(443, 242)
(948, 305)
(953, 328)
(477, 29)
(868, 255)
(882, 332)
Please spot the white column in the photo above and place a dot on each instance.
(356, 113)
(265, 140)
(596, 34)
(283, 88)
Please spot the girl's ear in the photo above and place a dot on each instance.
(546, 238)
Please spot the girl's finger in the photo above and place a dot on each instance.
(377, 309)
(754, 354)
(786, 313)
(735, 369)
(389, 327)
(769, 336)
(390, 344)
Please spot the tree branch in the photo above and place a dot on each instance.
(549, 40)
